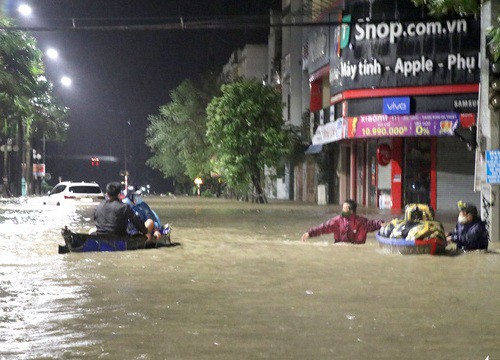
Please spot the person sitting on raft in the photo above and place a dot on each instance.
(112, 216)
(144, 212)
(347, 227)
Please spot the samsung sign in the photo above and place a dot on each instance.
(397, 105)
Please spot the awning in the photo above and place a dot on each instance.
(313, 149)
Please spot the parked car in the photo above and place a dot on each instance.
(75, 193)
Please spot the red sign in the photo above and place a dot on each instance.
(467, 120)
(39, 170)
(384, 154)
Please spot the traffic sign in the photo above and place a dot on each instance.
(493, 166)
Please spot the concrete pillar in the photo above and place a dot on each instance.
(488, 130)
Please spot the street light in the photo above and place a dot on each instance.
(38, 172)
(198, 181)
(25, 10)
(6, 149)
(66, 81)
(52, 53)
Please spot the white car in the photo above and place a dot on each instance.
(75, 193)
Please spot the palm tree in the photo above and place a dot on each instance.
(25, 96)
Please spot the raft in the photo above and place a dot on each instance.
(81, 242)
(430, 246)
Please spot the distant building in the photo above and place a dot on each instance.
(250, 62)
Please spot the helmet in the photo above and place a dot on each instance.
(462, 205)
(387, 229)
(419, 212)
(427, 230)
(401, 230)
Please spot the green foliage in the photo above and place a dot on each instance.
(246, 130)
(494, 41)
(465, 7)
(24, 92)
(443, 7)
(176, 135)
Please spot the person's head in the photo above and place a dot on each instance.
(467, 214)
(113, 189)
(349, 207)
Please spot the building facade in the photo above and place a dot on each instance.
(250, 62)
(399, 123)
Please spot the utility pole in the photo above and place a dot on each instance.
(488, 128)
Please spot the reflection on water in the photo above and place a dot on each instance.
(240, 286)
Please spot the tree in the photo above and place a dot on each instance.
(176, 135)
(465, 7)
(26, 101)
(245, 127)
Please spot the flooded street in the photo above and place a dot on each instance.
(240, 286)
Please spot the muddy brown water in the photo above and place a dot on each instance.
(240, 286)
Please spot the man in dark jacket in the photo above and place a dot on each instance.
(470, 232)
(112, 216)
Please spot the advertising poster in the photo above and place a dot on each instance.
(380, 125)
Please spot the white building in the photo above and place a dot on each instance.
(248, 63)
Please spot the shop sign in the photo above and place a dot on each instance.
(404, 53)
(467, 120)
(330, 132)
(38, 170)
(465, 105)
(493, 166)
(397, 105)
(381, 125)
(384, 154)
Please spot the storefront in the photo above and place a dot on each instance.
(397, 87)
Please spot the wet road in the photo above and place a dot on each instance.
(241, 286)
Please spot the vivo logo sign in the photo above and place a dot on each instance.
(397, 105)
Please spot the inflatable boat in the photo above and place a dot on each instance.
(416, 233)
(81, 242)
(430, 246)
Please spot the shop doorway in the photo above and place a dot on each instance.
(372, 173)
(344, 166)
(360, 173)
(417, 171)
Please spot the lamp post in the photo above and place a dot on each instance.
(6, 149)
(38, 171)
(198, 181)
(25, 10)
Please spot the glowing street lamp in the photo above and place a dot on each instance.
(66, 81)
(52, 53)
(198, 181)
(25, 10)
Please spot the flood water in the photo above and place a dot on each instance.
(240, 286)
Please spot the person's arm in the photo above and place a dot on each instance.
(453, 235)
(372, 225)
(136, 220)
(327, 227)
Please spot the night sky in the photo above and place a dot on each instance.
(120, 77)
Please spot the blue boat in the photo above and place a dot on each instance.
(81, 242)
(430, 246)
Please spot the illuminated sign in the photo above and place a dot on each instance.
(493, 166)
(396, 105)
(381, 125)
(403, 53)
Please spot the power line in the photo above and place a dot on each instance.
(181, 23)
(161, 24)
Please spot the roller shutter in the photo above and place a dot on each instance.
(455, 174)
